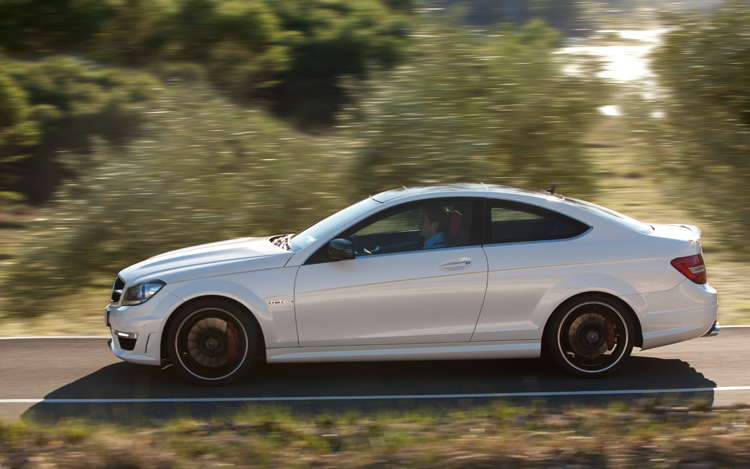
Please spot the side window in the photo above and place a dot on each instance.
(513, 223)
(413, 227)
(398, 223)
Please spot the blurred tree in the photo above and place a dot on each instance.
(699, 129)
(134, 32)
(300, 48)
(33, 27)
(59, 104)
(239, 43)
(17, 130)
(330, 40)
(497, 108)
(290, 56)
(204, 171)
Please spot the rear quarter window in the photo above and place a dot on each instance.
(511, 222)
(611, 215)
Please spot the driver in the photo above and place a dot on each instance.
(432, 223)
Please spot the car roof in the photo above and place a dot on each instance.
(585, 212)
(476, 189)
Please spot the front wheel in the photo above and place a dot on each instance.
(212, 342)
(590, 337)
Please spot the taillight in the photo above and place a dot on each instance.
(691, 267)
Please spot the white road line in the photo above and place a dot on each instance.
(369, 398)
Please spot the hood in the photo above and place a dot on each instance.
(209, 260)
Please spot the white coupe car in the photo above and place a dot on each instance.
(467, 271)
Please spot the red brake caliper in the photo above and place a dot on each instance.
(232, 343)
(610, 334)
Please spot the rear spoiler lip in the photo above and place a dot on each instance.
(693, 229)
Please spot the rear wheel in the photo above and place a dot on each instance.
(212, 342)
(590, 336)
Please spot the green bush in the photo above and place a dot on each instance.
(493, 108)
(72, 98)
(59, 104)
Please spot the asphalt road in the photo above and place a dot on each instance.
(45, 380)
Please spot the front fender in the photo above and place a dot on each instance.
(267, 294)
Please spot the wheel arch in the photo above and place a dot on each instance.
(615, 299)
(261, 348)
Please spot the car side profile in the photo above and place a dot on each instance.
(462, 271)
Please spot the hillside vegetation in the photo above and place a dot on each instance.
(129, 128)
(698, 140)
(192, 166)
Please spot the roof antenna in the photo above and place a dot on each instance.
(485, 187)
(551, 190)
(407, 190)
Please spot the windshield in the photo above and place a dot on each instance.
(612, 215)
(306, 237)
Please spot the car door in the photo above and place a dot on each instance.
(395, 291)
(529, 251)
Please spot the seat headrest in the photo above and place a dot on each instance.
(454, 225)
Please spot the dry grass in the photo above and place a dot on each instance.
(496, 437)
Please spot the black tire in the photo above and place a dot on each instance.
(212, 342)
(590, 336)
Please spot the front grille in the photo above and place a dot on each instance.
(117, 289)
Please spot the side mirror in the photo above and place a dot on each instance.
(340, 249)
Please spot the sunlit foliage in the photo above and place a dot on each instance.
(703, 140)
(466, 106)
(565, 15)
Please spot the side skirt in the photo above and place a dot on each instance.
(451, 351)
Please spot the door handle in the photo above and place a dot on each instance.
(462, 264)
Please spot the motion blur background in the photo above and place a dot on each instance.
(133, 127)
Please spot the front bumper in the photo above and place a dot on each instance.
(137, 330)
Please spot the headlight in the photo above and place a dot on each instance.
(141, 293)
